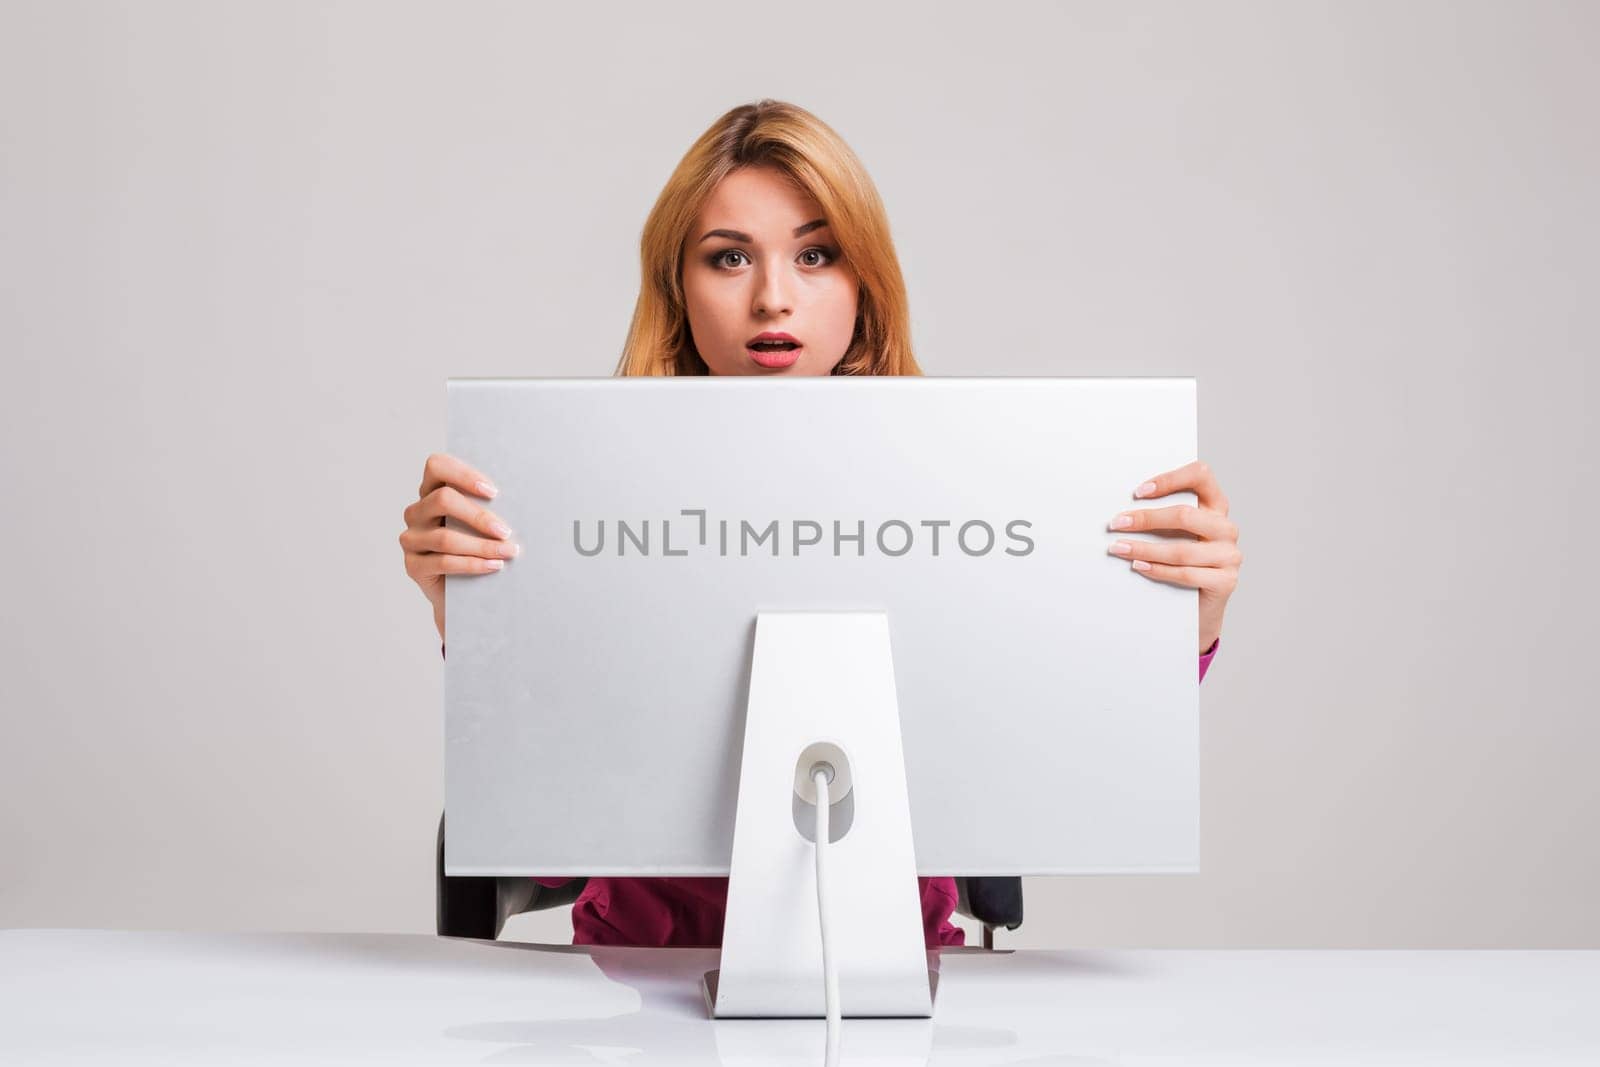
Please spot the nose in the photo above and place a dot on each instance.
(772, 294)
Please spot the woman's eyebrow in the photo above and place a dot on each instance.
(735, 235)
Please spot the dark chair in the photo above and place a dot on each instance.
(478, 906)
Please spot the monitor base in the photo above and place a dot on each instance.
(708, 992)
(822, 682)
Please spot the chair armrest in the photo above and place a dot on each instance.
(478, 906)
(991, 901)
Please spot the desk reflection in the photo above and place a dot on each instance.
(670, 1023)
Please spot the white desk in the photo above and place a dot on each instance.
(75, 996)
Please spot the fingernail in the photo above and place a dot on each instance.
(499, 529)
(1121, 548)
(1122, 522)
(1140, 565)
(487, 489)
(510, 548)
(1147, 487)
(494, 564)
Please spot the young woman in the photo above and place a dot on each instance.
(768, 253)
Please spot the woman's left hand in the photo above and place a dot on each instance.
(1210, 563)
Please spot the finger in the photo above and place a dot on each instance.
(427, 564)
(445, 469)
(444, 540)
(1194, 476)
(1211, 525)
(446, 501)
(1220, 579)
(1180, 553)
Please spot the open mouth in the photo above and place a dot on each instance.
(774, 350)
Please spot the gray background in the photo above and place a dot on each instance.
(242, 247)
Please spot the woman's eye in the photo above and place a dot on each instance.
(721, 261)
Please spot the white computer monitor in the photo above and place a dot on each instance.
(595, 688)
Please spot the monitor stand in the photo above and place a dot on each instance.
(822, 681)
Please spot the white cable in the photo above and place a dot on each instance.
(830, 976)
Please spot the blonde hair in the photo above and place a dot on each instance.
(796, 142)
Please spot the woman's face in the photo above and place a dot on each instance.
(760, 258)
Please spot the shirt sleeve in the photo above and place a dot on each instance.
(1205, 657)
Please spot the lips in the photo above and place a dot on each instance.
(774, 350)
(772, 342)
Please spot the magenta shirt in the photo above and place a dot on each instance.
(688, 912)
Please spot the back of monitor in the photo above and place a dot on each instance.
(595, 690)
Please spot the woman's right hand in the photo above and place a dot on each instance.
(432, 550)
